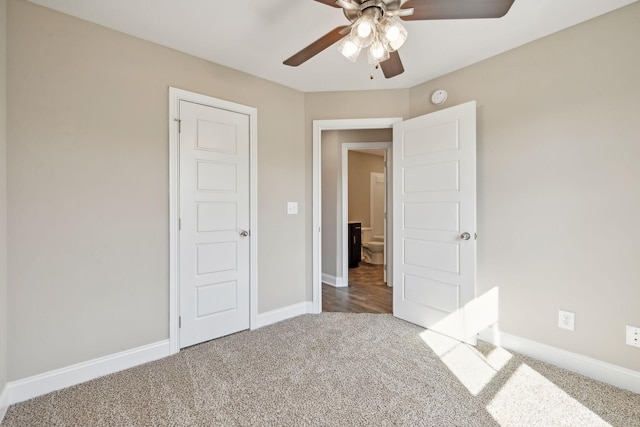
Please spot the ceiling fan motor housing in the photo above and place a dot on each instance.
(377, 7)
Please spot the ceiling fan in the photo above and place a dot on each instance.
(375, 25)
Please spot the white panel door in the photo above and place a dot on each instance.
(434, 185)
(214, 217)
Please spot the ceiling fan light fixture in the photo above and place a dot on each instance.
(392, 33)
(349, 49)
(378, 21)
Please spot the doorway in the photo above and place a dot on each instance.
(322, 213)
(360, 226)
(361, 162)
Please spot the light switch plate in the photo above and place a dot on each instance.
(292, 208)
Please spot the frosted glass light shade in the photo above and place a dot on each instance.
(349, 49)
(392, 34)
(377, 53)
(364, 31)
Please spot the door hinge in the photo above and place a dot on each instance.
(475, 236)
(179, 125)
(179, 321)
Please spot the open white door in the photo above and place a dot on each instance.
(434, 186)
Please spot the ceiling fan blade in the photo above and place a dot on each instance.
(456, 9)
(392, 66)
(328, 2)
(316, 47)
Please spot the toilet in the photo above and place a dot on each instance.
(372, 247)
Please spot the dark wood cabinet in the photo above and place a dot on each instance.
(355, 243)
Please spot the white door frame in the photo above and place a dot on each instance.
(175, 96)
(318, 127)
(343, 222)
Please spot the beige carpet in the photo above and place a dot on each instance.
(336, 369)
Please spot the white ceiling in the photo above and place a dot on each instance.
(255, 36)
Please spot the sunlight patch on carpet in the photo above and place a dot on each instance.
(474, 369)
(528, 398)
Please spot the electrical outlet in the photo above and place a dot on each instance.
(633, 336)
(566, 320)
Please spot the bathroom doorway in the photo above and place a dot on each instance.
(364, 195)
(363, 191)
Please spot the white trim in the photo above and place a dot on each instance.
(318, 127)
(4, 402)
(37, 385)
(587, 366)
(284, 313)
(338, 282)
(175, 96)
(343, 219)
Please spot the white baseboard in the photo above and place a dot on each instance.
(338, 282)
(284, 313)
(37, 385)
(4, 402)
(592, 368)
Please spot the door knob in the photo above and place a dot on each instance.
(465, 236)
(244, 233)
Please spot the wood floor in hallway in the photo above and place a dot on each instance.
(366, 293)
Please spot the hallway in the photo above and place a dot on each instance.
(366, 293)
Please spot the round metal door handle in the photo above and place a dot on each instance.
(465, 236)
(244, 233)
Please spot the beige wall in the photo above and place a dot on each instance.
(88, 199)
(3, 195)
(331, 152)
(559, 182)
(360, 167)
